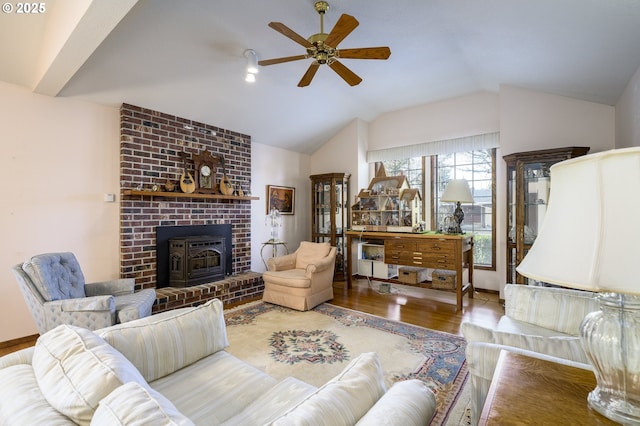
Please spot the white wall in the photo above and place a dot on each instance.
(628, 114)
(59, 158)
(275, 166)
(533, 120)
(474, 114)
(338, 154)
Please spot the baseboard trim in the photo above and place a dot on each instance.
(19, 341)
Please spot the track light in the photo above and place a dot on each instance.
(252, 65)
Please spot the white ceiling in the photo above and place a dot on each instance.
(186, 57)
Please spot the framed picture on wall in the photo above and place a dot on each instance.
(282, 198)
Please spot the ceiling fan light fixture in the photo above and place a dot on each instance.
(323, 48)
(252, 61)
(250, 78)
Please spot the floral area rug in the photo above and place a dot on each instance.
(316, 345)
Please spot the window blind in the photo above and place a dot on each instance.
(447, 146)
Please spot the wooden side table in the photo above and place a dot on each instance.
(531, 391)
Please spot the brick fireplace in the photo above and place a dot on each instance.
(152, 144)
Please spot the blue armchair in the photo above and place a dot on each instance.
(56, 293)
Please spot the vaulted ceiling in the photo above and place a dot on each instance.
(186, 57)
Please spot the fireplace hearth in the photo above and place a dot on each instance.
(193, 254)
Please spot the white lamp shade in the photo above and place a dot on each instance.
(589, 237)
(457, 190)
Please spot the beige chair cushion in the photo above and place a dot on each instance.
(309, 252)
(75, 369)
(289, 278)
(135, 405)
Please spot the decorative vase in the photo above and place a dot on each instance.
(611, 338)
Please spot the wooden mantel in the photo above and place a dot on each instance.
(132, 192)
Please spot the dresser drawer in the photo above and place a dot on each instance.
(400, 245)
(439, 263)
(436, 260)
(398, 252)
(437, 246)
(397, 257)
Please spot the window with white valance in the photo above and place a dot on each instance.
(429, 166)
(441, 147)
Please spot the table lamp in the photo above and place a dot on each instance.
(457, 191)
(589, 241)
(273, 220)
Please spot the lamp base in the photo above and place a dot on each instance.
(458, 217)
(611, 338)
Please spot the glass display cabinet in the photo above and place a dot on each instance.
(528, 187)
(330, 214)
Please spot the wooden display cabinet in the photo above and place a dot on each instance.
(528, 188)
(330, 214)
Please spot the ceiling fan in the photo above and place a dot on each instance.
(323, 48)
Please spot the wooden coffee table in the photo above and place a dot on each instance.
(530, 391)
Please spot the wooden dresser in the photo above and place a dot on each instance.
(438, 251)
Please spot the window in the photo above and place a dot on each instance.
(411, 168)
(478, 168)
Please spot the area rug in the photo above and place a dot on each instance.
(316, 345)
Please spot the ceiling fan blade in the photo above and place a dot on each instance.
(281, 60)
(365, 53)
(346, 74)
(288, 32)
(308, 76)
(341, 30)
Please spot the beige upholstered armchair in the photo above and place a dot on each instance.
(541, 322)
(303, 279)
(55, 291)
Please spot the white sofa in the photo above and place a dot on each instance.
(172, 369)
(541, 322)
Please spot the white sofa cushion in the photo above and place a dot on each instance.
(135, 405)
(22, 402)
(552, 308)
(403, 404)
(162, 344)
(271, 404)
(344, 399)
(75, 369)
(214, 389)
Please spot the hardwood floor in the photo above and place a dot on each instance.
(427, 308)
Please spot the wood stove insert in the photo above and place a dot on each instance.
(196, 260)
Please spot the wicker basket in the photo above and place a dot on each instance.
(443, 279)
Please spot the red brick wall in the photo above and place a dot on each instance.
(150, 147)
